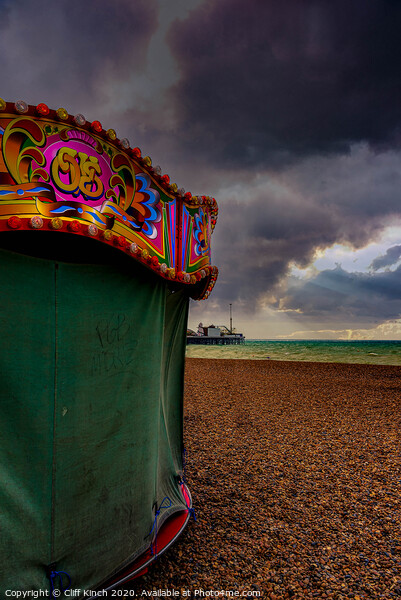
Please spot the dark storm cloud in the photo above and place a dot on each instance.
(390, 258)
(260, 238)
(307, 87)
(270, 223)
(303, 88)
(63, 52)
(268, 82)
(335, 293)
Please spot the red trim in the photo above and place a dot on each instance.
(166, 535)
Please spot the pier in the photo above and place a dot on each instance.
(217, 335)
(221, 340)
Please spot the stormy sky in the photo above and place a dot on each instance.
(288, 113)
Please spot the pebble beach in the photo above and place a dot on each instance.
(295, 472)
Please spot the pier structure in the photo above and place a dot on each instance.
(235, 338)
(215, 335)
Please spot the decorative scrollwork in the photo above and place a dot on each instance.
(124, 179)
(22, 139)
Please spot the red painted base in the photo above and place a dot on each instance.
(166, 536)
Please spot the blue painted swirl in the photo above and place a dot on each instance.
(63, 209)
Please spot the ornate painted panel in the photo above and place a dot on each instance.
(65, 174)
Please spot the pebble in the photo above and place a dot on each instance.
(295, 473)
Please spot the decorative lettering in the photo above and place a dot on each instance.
(77, 173)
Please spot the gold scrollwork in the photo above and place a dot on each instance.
(124, 179)
(17, 133)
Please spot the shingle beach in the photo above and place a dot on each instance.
(295, 472)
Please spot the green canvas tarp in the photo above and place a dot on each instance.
(91, 361)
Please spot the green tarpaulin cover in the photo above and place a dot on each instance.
(91, 360)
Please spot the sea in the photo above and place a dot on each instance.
(362, 352)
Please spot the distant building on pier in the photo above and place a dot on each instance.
(217, 335)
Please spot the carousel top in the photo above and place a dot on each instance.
(62, 173)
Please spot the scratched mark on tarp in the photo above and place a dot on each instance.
(116, 345)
